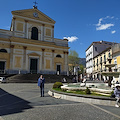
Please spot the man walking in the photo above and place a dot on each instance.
(41, 82)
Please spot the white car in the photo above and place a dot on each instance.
(2, 80)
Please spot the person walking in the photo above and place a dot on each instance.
(41, 82)
(117, 95)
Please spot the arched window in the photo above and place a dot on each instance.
(34, 33)
(59, 56)
(3, 50)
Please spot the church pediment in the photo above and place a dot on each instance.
(33, 54)
(33, 14)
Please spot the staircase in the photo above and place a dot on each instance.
(33, 78)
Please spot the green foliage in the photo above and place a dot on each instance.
(87, 91)
(73, 53)
(81, 69)
(73, 57)
(57, 85)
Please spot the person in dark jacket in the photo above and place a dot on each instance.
(117, 95)
(41, 82)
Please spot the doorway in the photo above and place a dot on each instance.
(33, 65)
(58, 69)
(2, 67)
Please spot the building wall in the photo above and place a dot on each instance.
(21, 48)
(99, 63)
(89, 60)
(116, 60)
(93, 50)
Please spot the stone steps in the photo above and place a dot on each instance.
(33, 78)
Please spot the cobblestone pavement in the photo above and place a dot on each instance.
(23, 102)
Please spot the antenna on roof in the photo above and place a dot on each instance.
(35, 6)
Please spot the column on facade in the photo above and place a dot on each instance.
(11, 56)
(43, 59)
(26, 28)
(24, 57)
(53, 60)
(14, 26)
(52, 33)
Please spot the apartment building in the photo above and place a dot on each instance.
(93, 50)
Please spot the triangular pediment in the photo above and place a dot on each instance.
(29, 13)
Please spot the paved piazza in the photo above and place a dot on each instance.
(23, 102)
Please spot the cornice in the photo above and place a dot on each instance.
(35, 43)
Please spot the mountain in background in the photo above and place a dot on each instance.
(82, 61)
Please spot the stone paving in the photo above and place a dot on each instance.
(23, 102)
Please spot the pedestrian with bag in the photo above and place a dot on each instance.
(41, 82)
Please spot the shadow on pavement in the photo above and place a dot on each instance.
(11, 104)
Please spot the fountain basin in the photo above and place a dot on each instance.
(100, 88)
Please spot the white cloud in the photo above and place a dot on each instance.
(71, 39)
(104, 26)
(99, 23)
(113, 31)
(101, 26)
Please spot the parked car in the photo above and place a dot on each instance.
(2, 80)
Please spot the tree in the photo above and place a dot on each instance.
(73, 57)
(81, 69)
(73, 60)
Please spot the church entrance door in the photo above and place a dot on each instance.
(33, 65)
(2, 67)
(58, 69)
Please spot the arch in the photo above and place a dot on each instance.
(34, 33)
(59, 56)
(3, 50)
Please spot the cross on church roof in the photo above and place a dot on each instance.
(35, 6)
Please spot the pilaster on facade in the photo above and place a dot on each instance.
(65, 61)
(53, 59)
(14, 25)
(43, 59)
(24, 57)
(39, 35)
(52, 33)
(26, 29)
(11, 56)
(43, 32)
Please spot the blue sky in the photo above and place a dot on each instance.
(81, 21)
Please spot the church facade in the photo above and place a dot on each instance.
(30, 47)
